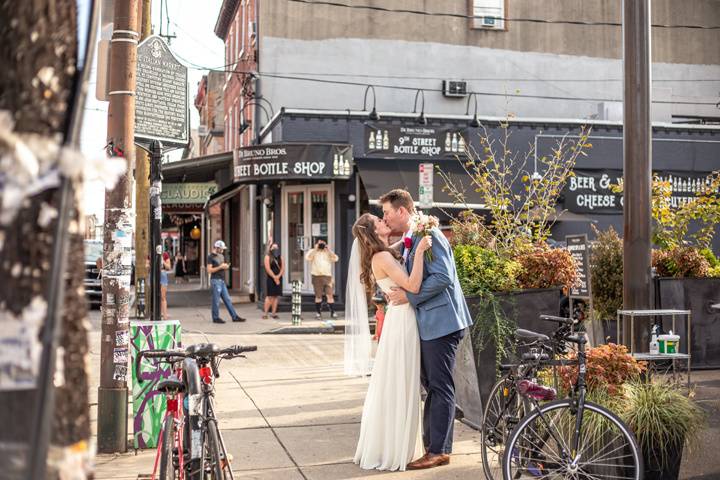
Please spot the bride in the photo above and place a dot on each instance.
(390, 430)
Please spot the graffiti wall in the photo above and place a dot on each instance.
(148, 403)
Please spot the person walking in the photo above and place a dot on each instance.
(180, 268)
(216, 268)
(274, 268)
(321, 260)
(165, 267)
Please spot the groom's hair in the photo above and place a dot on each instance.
(399, 198)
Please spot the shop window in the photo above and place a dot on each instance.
(488, 14)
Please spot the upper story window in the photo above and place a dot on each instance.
(244, 7)
(488, 14)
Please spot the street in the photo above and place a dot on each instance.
(287, 411)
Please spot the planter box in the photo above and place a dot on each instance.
(696, 295)
(524, 308)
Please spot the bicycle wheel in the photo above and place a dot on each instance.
(167, 469)
(502, 412)
(540, 446)
(214, 458)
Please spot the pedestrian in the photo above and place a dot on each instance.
(274, 269)
(216, 268)
(165, 267)
(180, 268)
(321, 260)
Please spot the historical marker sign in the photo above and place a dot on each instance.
(578, 247)
(161, 99)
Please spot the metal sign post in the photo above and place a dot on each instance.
(155, 226)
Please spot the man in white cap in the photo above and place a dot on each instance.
(216, 268)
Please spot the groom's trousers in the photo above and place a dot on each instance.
(436, 375)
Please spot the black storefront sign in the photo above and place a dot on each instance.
(414, 141)
(161, 100)
(293, 161)
(590, 191)
(578, 247)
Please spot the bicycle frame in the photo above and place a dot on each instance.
(174, 409)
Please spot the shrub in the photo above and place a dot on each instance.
(680, 262)
(606, 273)
(714, 270)
(545, 267)
(608, 368)
(469, 229)
(482, 271)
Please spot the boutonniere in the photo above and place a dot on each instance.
(408, 243)
(422, 225)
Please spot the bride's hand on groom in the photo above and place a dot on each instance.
(397, 296)
(425, 244)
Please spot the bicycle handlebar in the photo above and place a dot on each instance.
(553, 318)
(175, 355)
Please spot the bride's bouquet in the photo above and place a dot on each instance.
(422, 225)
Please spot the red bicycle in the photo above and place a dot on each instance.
(191, 445)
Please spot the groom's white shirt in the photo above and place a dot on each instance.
(406, 251)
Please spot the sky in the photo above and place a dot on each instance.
(193, 22)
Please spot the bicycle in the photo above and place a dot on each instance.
(572, 438)
(513, 394)
(207, 456)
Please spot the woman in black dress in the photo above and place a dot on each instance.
(274, 268)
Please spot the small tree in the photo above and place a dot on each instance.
(521, 203)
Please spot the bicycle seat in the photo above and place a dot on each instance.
(203, 349)
(527, 335)
(172, 384)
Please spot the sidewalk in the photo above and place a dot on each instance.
(287, 411)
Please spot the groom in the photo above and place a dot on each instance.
(442, 317)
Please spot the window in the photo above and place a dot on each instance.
(244, 26)
(231, 131)
(225, 136)
(488, 14)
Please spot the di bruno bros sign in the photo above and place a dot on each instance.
(293, 161)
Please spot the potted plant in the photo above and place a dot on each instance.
(606, 277)
(664, 421)
(508, 273)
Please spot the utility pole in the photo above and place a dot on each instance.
(637, 155)
(142, 186)
(118, 230)
(156, 225)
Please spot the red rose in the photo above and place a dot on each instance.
(408, 242)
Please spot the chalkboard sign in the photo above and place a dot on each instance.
(161, 98)
(578, 247)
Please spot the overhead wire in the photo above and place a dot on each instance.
(505, 19)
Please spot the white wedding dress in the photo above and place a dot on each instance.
(391, 427)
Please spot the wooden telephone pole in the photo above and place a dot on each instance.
(118, 230)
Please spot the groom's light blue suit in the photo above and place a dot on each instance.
(443, 318)
(440, 303)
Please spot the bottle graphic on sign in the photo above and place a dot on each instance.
(335, 164)
(386, 140)
(454, 143)
(461, 143)
(347, 167)
(447, 142)
(371, 141)
(378, 140)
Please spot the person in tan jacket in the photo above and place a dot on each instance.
(321, 260)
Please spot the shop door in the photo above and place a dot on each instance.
(307, 217)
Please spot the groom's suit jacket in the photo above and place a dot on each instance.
(440, 303)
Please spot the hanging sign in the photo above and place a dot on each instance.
(414, 141)
(187, 193)
(161, 98)
(578, 247)
(293, 161)
(589, 191)
(425, 185)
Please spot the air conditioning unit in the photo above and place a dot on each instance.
(454, 88)
(489, 22)
(203, 130)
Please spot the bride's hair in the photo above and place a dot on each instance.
(370, 244)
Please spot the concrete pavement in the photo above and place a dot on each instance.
(287, 411)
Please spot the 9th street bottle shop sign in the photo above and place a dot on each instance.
(293, 161)
(161, 99)
(414, 141)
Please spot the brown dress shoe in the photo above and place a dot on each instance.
(429, 460)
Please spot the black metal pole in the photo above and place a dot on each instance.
(156, 246)
(637, 141)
